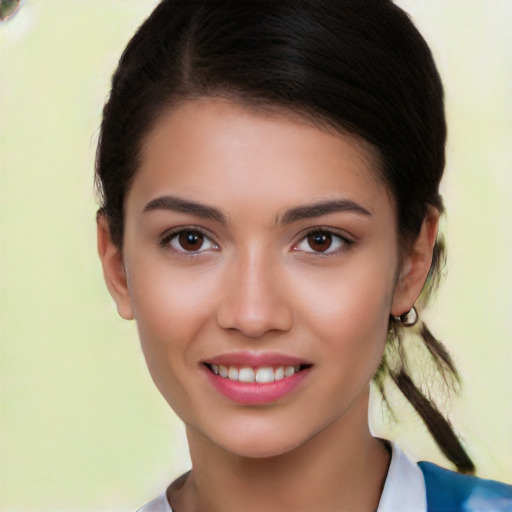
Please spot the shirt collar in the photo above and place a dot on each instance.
(404, 489)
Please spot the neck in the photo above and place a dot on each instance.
(341, 468)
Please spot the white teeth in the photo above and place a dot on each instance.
(233, 373)
(246, 375)
(289, 371)
(265, 374)
(262, 375)
(279, 373)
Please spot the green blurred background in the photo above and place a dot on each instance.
(81, 425)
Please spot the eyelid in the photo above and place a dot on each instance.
(164, 239)
(346, 240)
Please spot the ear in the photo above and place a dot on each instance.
(416, 265)
(113, 269)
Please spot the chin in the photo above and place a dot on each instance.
(260, 444)
(252, 450)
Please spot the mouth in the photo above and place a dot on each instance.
(255, 374)
(255, 379)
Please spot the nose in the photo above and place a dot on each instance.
(254, 301)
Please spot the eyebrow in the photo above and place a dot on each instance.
(177, 204)
(322, 208)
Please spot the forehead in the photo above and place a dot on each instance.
(214, 149)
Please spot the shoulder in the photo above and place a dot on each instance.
(448, 491)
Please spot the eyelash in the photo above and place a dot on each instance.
(341, 242)
(166, 240)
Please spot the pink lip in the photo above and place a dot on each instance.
(254, 393)
(247, 358)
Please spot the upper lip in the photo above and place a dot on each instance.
(256, 359)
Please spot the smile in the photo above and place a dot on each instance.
(255, 379)
(260, 375)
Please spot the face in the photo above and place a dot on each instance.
(259, 261)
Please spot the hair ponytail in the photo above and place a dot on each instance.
(395, 365)
(438, 426)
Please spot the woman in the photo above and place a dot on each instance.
(270, 177)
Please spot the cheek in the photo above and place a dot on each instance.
(353, 331)
(167, 297)
(171, 306)
(355, 300)
(348, 313)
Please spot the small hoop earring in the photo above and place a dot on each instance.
(408, 319)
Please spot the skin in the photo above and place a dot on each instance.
(258, 283)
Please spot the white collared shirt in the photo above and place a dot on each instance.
(404, 489)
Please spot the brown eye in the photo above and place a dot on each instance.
(319, 241)
(190, 240)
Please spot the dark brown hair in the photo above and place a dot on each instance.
(358, 66)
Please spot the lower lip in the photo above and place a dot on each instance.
(253, 393)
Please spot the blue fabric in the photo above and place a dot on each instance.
(448, 491)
